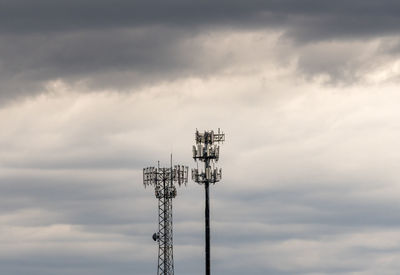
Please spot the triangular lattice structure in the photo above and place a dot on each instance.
(164, 180)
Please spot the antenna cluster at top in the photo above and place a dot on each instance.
(155, 176)
(205, 148)
(207, 151)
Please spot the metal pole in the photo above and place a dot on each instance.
(206, 151)
(165, 227)
(207, 216)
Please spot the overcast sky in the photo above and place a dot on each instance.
(307, 93)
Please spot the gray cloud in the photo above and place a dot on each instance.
(300, 199)
(125, 45)
(316, 18)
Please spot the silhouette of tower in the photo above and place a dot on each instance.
(207, 150)
(164, 180)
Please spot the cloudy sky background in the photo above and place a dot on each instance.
(306, 92)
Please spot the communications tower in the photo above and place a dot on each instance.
(164, 180)
(207, 150)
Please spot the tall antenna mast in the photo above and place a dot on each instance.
(164, 180)
(207, 151)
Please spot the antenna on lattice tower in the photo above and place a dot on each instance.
(164, 181)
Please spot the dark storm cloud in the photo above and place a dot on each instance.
(119, 58)
(28, 60)
(128, 43)
(336, 17)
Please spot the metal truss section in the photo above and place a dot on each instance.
(163, 180)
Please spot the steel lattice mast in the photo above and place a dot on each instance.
(164, 180)
(207, 151)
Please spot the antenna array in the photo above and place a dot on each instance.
(207, 150)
